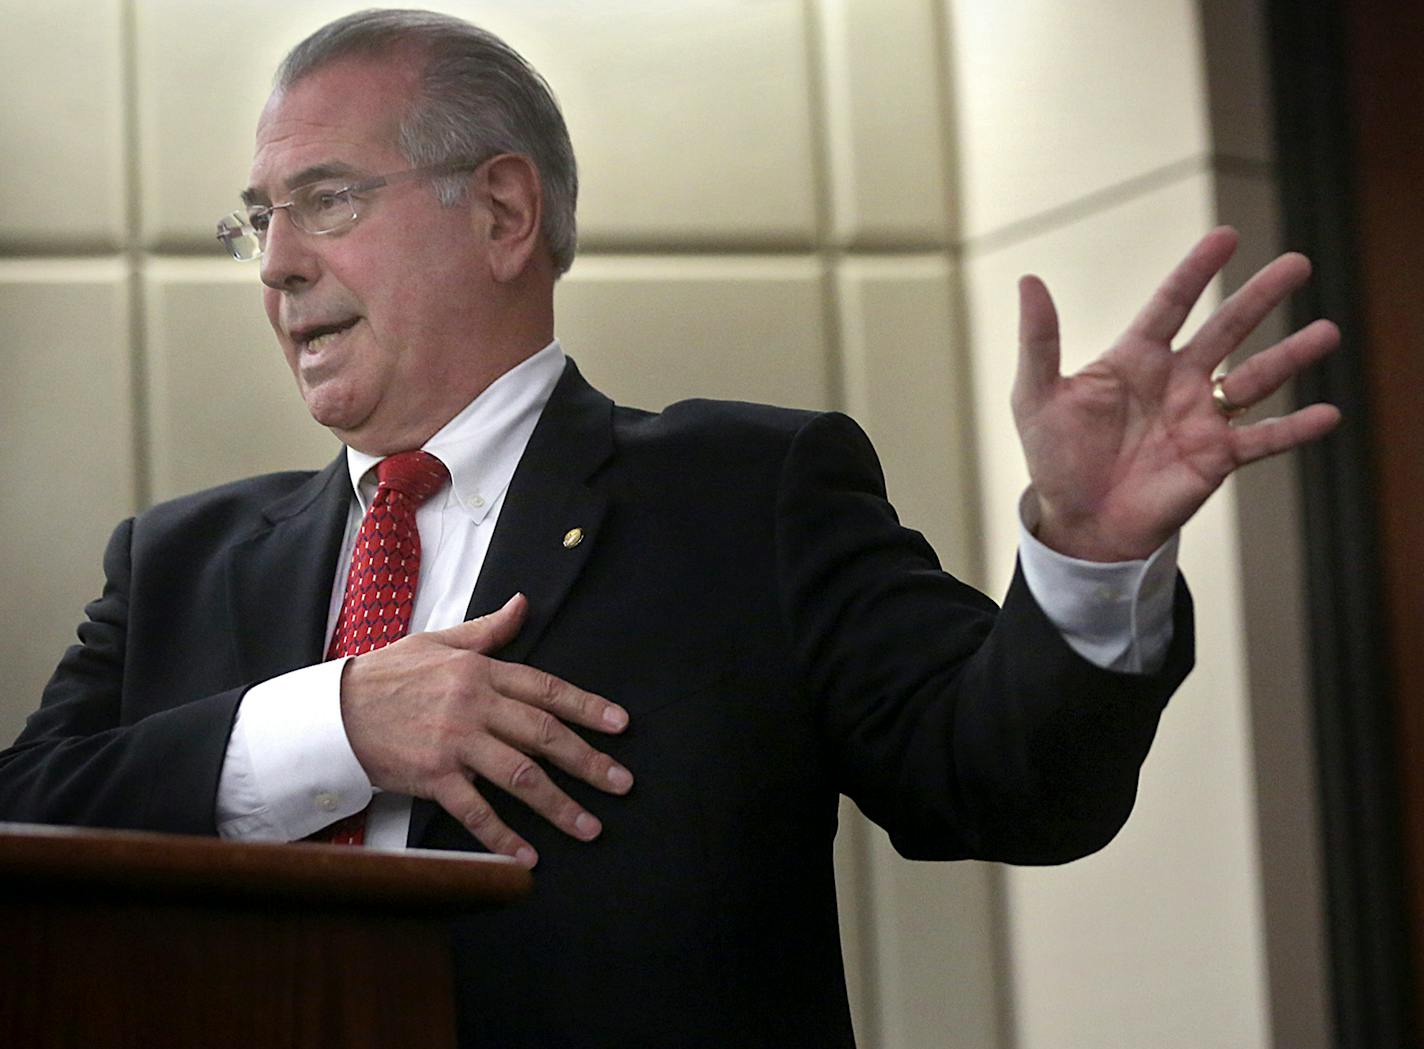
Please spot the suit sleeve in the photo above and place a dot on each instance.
(85, 759)
(963, 729)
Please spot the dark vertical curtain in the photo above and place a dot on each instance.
(1356, 705)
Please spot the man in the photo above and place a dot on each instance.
(716, 600)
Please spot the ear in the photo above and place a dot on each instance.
(514, 199)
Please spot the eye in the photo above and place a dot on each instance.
(259, 217)
(322, 205)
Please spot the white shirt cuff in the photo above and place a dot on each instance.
(289, 769)
(1117, 616)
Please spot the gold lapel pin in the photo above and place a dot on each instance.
(572, 538)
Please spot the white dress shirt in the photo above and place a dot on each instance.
(289, 769)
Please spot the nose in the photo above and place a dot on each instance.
(288, 262)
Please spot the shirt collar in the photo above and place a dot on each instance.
(483, 443)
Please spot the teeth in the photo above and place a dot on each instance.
(322, 339)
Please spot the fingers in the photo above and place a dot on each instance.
(524, 723)
(1240, 314)
(1167, 310)
(1272, 436)
(536, 731)
(1261, 375)
(515, 772)
(1038, 341)
(487, 633)
(527, 684)
(458, 796)
(506, 758)
(434, 712)
(543, 690)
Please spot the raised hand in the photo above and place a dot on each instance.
(431, 712)
(1122, 453)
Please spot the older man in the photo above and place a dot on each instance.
(414, 645)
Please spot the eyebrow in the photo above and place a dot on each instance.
(314, 173)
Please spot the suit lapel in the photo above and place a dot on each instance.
(550, 519)
(536, 550)
(279, 581)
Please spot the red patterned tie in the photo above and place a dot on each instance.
(380, 588)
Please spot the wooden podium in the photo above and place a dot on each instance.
(150, 941)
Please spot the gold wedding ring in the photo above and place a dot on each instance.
(1224, 404)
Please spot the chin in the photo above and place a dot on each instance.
(336, 413)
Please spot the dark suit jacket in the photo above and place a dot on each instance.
(745, 591)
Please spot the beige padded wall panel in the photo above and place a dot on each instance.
(66, 459)
(203, 71)
(652, 330)
(934, 937)
(937, 937)
(1057, 101)
(222, 403)
(885, 121)
(1274, 602)
(1156, 940)
(856, 909)
(691, 120)
(61, 127)
(906, 382)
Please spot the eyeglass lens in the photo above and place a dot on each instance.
(238, 236)
(322, 207)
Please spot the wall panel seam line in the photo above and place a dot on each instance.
(47, 251)
(702, 247)
(945, 80)
(867, 964)
(961, 349)
(1074, 211)
(817, 68)
(133, 254)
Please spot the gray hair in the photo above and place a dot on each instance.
(479, 97)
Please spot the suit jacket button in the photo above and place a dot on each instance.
(572, 538)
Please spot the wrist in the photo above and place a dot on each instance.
(1081, 536)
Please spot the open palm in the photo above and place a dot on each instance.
(1122, 453)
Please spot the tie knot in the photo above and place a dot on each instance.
(418, 474)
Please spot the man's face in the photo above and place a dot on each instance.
(379, 322)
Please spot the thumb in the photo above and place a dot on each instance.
(487, 633)
(1038, 341)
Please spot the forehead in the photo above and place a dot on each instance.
(343, 117)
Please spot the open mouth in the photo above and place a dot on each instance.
(317, 336)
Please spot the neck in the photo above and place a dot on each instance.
(489, 362)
